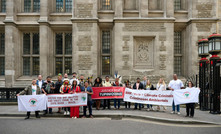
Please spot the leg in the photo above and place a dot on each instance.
(84, 109)
(104, 105)
(118, 103)
(115, 105)
(135, 106)
(192, 109)
(125, 104)
(90, 107)
(129, 104)
(28, 115)
(178, 108)
(140, 105)
(187, 110)
(108, 103)
(173, 106)
(37, 114)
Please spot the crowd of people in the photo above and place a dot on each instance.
(74, 85)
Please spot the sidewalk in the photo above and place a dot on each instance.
(201, 117)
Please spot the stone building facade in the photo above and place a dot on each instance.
(155, 38)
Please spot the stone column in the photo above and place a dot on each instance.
(143, 5)
(118, 13)
(169, 8)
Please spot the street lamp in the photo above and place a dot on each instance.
(214, 84)
(203, 69)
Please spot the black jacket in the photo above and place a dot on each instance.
(140, 86)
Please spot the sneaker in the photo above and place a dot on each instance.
(65, 113)
(75, 117)
(68, 113)
(178, 113)
(173, 112)
(148, 109)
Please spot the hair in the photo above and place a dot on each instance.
(100, 80)
(138, 78)
(33, 79)
(74, 73)
(191, 83)
(48, 77)
(107, 76)
(162, 82)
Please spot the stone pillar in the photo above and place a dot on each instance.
(169, 8)
(118, 8)
(143, 5)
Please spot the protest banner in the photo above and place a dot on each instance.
(108, 92)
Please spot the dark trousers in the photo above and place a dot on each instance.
(106, 103)
(190, 109)
(127, 104)
(36, 113)
(117, 103)
(89, 105)
(50, 110)
(136, 105)
(67, 109)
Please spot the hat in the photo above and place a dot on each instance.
(66, 79)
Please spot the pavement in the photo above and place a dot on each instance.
(200, 117)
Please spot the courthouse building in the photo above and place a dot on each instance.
(156, 38)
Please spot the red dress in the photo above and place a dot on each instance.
(74, 111)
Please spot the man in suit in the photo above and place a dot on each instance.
(40, 82)
(138, 86)
(32, 89)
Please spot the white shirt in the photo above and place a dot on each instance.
(34, 88)
(176, 84)
(107, 84)
(40, 84)
(161, 87)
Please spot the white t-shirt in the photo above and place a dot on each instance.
(176, 84)
(40, 84)
(161, 87)
(34, 88)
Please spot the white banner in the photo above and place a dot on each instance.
(66, 100)
(149, 97)
(188, 95)
(32, 102)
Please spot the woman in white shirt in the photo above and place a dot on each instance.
(161, 86)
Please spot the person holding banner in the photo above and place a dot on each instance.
(161, 86)
(190, 106)
(89, 92)
(175, 84)
(66, 88)
(75, 110)
(58, 85)
(138, 86)
(98, 83)
(127, 85)
(106, 83)
(149, 86)
(32, 89)
(117, 84)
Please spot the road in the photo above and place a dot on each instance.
(17, 125)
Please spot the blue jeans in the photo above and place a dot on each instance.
(116, 103)
(149, 105)
(136, 105)
(177, 106)
(50, 110)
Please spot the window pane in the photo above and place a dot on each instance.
(177, 4)
(26, 43)
(2, 65)
(106, 4)
(59, 6)
(68, 43)
(68, 65)
(3, 6)
(2, 43)
(36, 5)
(35, 43)
(58, 65)
(68, 5)
(177, 43)
(177, 65)
(27, 5)
(105, 65)
(26, 66)
(106, 42)
(35, 66)
(59, 43)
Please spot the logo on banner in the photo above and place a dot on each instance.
(33, 102)
(186, 95)
(83, 98)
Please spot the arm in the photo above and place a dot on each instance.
(23, 92)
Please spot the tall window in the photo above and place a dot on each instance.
(106, 4)
(178, 53)
(63, 5)
(2, 54)
(63, 51)
(31, 5)
(30, 53)
(3, 6)
(180, 4)
(155, 4)
(106, 52)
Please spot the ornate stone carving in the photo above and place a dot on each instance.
(84, 43)
(162, 47)
(162, 38)
(162, 57)
(204, 9)
(126, 38)
(143, 52)
(84, 10)
(84, 26)
(162, 66)
(144, 27)
(203, 27)
(84, 62)
(125, 57)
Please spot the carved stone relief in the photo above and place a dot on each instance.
(84, 62)
(162, 39)
(84, 43)
(84, 10)
(84, 26)
(204, 9)
(126, 38)
(203, 27)
(144, 27)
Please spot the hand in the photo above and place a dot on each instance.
(45, 93)
(17, 95)
(172, 89)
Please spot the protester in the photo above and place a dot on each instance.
(138, 86)
(66, 88)
(81, 83)
(190, 106)
(161, 86)
(98, 83)
(32, 89)
(74, 77)
(58, 85)
(106, 83)
(144, 82)
(127, 85)
(48, 88)
(89, 80)
(149, 86)
(175, 84)
(117, 101)
(75, 110)
(40, 82)
(65, 76)
(89, 92)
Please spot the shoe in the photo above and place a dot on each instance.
(45, 113)
(83, 117)
(114, 108)
(140, 108)
(178, 113)
(148, 109)
(65, 113)
(191, 116)
(75, 117)
(68, 113)
(118, 107)
(50, 112)
(27, 117)
(91, 116)
(135, 108)
(58, 112)
(173, 112)
(38, 116)
(187, 116)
